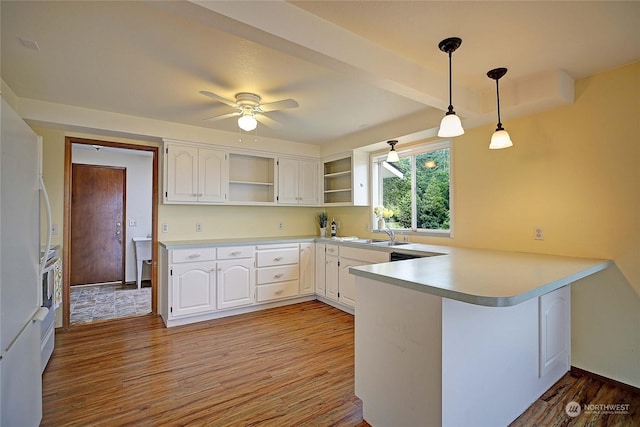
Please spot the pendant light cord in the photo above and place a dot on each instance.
(498, 97)
(450, 85)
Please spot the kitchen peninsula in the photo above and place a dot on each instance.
(469, 337)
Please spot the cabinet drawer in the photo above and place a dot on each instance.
(231, 252)
(277, 274)
(191, 255)
(332, 250)
(277, 290)
(271, 257)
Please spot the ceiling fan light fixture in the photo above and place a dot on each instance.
(450, 125)
(247, 122)
(392, 157)
(500, 138)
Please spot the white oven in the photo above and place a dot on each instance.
(48, 324)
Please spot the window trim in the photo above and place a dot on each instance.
(376, 188)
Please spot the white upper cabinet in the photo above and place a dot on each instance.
(345, 179)
(195, 174)
(298, 182)
(213, 175)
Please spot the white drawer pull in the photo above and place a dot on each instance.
(278, 258)
(279, 292)
(193, 256)
(277, 276)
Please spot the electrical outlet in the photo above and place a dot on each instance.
(165, 228)
(280, 225)
(54, 229)
(198, 228)
(132, 222)
(538, 233)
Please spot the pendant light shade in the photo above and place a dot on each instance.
(392, 157)
(500, 138)
(247, 122)
(450, 125)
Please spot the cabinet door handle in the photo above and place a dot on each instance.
(194, 256)
(278, 258)
(234, 253)
(279, 292)
(277, 276)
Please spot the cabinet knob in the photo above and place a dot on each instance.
(234, 253)
(277, 276)
(278, 292)
(278, 258)
(194, 256)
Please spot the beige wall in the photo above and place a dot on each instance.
(574, 171)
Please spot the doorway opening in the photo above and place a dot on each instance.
(111, 201)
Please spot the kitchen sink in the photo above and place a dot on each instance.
(389, 243)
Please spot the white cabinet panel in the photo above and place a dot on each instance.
(181, 165)
(277, 274)
(234, 252)
(347, 281)
(282, 256)
(298, 182)
(307, 270)
(193, 288)
(320, 268)
(235, 283)
(277, 290)
(331, 276)
(193, 255)
(195, 174)
(213, 175)
(555, 329)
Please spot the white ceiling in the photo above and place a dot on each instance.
(353, 66)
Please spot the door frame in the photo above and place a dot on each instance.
(66, 249)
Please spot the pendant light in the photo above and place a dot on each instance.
(500, 138)
(392, 157)
(450, 125)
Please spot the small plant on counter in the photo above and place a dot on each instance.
(382, 213)
(322, 219)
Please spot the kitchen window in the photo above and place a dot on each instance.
(417, 189)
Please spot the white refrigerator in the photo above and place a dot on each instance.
(20, 282)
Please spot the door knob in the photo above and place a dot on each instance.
(118, 224)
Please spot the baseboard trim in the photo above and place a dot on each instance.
(581, 372)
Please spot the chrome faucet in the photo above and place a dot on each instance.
(390, 233)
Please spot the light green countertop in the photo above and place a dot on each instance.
(483, 277)
(476, 276)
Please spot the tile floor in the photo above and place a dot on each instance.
(102, 302)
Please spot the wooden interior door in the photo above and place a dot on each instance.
(98, 196)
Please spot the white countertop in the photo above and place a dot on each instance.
(482, 277)
(203, 243)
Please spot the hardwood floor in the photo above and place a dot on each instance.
(289, 366)
(292, 365)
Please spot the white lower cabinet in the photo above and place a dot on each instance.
(307, 270)
(339, 283)
(236, 283)
(331, 271)
(278, 271)
(193, 287)
(320, 269)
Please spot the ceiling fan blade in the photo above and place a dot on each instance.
(222, 117)
(279, 105)
(219, 98)
(268, 121)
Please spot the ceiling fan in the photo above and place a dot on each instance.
(250, 110)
